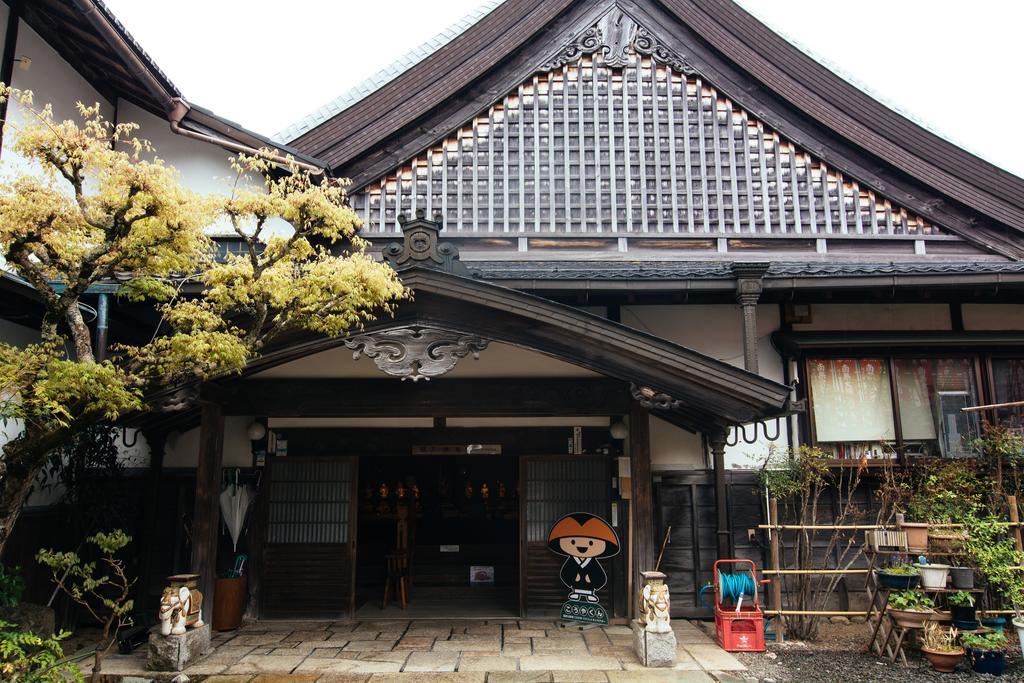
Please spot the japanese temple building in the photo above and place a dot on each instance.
(649, 240)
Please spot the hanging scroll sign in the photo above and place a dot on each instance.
(583, 539)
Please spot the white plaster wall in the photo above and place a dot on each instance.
(204, 168)
(183, 450)
(673, 448)
(876, 317)
(994, 317)
(717, 331)
(52, 81)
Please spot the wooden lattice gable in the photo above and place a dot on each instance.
(616, 133)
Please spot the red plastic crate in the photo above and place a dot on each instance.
(741, 631)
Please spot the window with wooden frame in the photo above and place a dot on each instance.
(873, 406)
(1006, 375)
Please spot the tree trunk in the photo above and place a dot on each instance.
(23, 458)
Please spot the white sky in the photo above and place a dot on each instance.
(952, 66)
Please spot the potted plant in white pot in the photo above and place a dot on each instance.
(933, 575)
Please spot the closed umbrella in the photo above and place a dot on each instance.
(234, 506)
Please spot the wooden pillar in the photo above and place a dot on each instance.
(749, 285)
(1011, 502)
(722, 534)
(643, 496)
(207, 512)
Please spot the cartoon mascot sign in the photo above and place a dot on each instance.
(583, 539)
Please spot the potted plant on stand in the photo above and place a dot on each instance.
(987, 652)
(961, 604)
(898, 577)
(933, 575)
(910, 608)
(940, 648)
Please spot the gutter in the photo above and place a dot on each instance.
(180, 109)
(173, 104)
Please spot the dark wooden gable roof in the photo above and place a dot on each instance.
(744, 60)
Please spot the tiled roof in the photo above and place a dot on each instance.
(385, 75)
(534, 270)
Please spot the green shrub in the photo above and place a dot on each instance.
(25, 657)
(12, 586)
(961, 599)
(987, 641)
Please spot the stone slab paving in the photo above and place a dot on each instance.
(441, 651)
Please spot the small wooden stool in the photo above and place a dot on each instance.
(396, 567)
(398, 561)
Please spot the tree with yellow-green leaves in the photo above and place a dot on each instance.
(106, 210)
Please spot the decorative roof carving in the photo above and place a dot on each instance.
(651, 399)
(646, 43)
(422, 247)
(617, 37)
(416, 352)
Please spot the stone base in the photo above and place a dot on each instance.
(174, 653)
(654, 649)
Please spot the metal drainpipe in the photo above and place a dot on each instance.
(177, 114)
(102, 311)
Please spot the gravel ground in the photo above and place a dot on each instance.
(838, 657)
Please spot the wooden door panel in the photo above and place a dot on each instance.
(308, 557)
(555, 486)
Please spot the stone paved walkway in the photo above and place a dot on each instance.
(449, 651)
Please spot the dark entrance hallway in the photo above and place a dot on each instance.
(463, 534)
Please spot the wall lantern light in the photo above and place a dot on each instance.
(256, 431)
(619, 430)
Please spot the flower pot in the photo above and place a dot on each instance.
(1018, 624)
(943, 662)
(910, 618)
(962, 577)
(899, 582)
(987, 661)
(933, 575)
(917, 536)
(964, 617)
(229, 599)
(997, 624)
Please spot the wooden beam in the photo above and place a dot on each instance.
(207, 511)
(643, 495)
(439, 397)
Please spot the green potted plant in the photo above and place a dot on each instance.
(986, 652)
(910, 608)
(898, 577)
(940, 648)
(961, 604)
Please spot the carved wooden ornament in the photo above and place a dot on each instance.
(416, 352)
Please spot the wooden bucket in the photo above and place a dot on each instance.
(229, 599)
